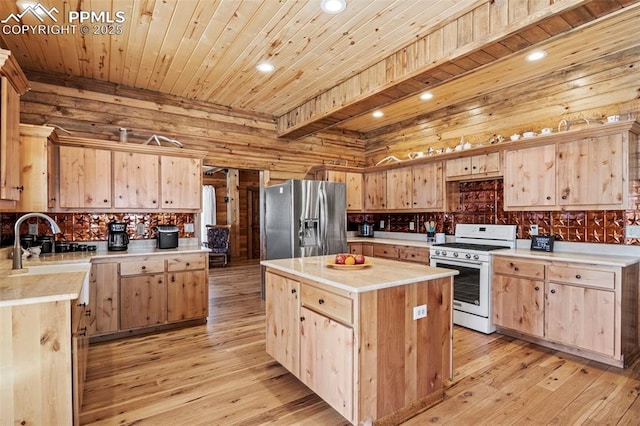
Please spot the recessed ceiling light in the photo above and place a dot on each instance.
(536, 55)
(265, 67)
(377, 114)
(333, 6)
(426, 96)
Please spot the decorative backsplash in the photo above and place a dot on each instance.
(481, 202)
(77, 227)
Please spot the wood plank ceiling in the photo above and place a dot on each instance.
(331, 70)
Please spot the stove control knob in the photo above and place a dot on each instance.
(455, 254)
(444, 253)
(437, 252)
(468, 255)
(476, 257)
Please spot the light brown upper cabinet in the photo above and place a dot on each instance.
(375, 190)
(34, 159)
(428, 186)
(399, 188)
(474, 167)
(135, 180)
(530, 177)
(84, 177)
(353, 181)
(9, 142)
(181, 182)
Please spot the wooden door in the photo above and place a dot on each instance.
(253, 225)
(591, 172)
(187, 295)
(85, 177)
(283, 321)
(9, 142)
(103, 298)
(143, 301)
(354, 183)
(181, 182)
(375, 190)
(399, 188)
(326, 360)
(518, 304)
(135, 180)
(581, 317)
(530, 177)
(428, 186)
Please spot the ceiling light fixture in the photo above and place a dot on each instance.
(265, 67)
(333, 6)
(536, 55)
(377, 114)
(426, 96)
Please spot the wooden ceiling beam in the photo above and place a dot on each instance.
(486, 33)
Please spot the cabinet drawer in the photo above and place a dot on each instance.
(142, 267)
(518, 267)
(334, 306)
(414, 254)
(186, 262)
(385, 250)
(581, 276)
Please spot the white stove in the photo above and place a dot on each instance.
(470, 255)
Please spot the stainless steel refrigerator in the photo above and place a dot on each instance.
(304, 218)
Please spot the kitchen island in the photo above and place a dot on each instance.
(375, 342)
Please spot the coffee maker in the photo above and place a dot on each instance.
(118, 238)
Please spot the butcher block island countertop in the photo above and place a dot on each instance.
(374, 342)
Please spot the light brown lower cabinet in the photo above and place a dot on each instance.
(349, 347)
(585, 309)
(143, 301)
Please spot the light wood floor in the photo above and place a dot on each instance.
(219, 374)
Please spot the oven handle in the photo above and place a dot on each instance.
(454, 262)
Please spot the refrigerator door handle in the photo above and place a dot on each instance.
(323, 209)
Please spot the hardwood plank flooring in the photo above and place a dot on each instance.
(220, 374)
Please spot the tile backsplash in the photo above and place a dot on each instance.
(77, 227)
(481, 202)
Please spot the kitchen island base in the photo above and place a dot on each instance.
(361, 350)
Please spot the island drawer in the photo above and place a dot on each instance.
(581, 276)
(518, 267)
(385, 250)
(324, 302)
(414, 254)
(147, 266)
(186, 262)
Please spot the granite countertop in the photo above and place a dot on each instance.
(567, 256)
(391, 241)
(20, 289)
(383, 273)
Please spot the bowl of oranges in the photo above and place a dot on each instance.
(349, 261)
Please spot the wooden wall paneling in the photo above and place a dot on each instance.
(233, 210)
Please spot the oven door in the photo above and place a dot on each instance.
(470, 286)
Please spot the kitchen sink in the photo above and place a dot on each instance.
(62, 268)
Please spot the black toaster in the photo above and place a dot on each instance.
(166, 236)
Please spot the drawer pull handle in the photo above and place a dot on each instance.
(536, 288)
(301, 318)
(293, 291)
(321, 301)
(553, 292)
(548, 197)
(516, 269)
(578, 276)
(511, 264)
(83, 331)
(188, 264)
(144, 267)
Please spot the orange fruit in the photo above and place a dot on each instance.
(350, 260)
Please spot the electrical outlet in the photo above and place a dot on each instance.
(419, 312)
(382, 224)
(533, 229)
(33, 228)
(632, 231)
(140, 228)
(412, 226)
(188, 227)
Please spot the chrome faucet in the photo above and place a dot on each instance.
(17, 252)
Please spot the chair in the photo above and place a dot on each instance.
(218, 244)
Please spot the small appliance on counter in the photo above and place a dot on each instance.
(365, 229)
(167, 236)
(118, 239)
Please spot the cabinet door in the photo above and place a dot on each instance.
(326, 360)
(34, 155)
(590, 172)
(181, 182)
(187, 295)
(103, 298)
(581, 317)
(79, 355)
(486, 163)
(355, 248)
(530, 177)
(428, 189)
(375, 190)
(9, 142)
(283, 321)
(518, 304)
(143, 301)
(85, 177)
(135, 180)
(335, 176)
(459, 167)
(354, 183)
(399, 188)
